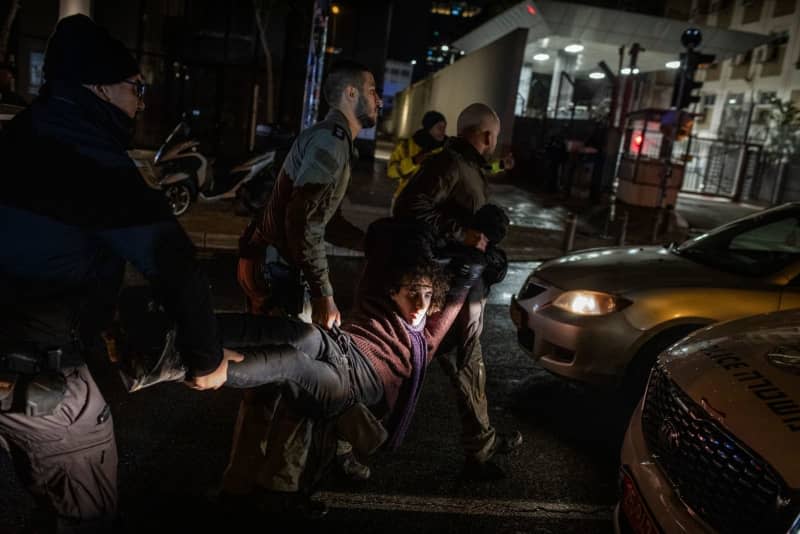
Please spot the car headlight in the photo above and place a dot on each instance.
(583, 302)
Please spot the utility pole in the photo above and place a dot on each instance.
(738, 185)
(633, 70)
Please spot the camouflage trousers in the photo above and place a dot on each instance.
(466, 370)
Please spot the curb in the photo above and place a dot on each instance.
(362, 215)
(208, 242)
(215, 242)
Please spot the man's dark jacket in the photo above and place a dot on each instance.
(447, 191)
(73, 209)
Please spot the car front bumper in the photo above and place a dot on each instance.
(591, 349)
(648, 501)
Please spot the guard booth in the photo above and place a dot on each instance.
(643, 157)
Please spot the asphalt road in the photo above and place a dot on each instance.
(173, 446)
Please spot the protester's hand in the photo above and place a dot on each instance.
(508, 161)
(325, 313)
(217, 377)
(474, 238)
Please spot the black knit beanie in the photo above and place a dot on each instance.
(81, 52)
(430, 118)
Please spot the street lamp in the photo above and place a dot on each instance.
(335, 10)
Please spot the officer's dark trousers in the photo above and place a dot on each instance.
(467, 373)
(68, 460)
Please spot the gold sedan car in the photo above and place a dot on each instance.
(601, 316)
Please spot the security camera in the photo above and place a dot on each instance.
(691, 37)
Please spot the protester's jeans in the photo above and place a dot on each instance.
(324, 371)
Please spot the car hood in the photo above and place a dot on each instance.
(746, 375)
(622, 269)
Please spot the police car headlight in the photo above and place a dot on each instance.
(583, 302)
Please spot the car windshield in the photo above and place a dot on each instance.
(759, 245)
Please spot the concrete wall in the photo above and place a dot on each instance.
(489, 75)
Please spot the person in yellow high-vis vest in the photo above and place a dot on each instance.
(408, 154)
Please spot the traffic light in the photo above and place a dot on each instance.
(690, 61)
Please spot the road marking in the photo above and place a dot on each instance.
(451, 505)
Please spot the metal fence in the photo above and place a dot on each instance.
(774, 182)
(714, 164)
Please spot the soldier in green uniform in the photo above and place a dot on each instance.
(271, 443)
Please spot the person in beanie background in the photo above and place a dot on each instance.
(408, 154)
(74, 210)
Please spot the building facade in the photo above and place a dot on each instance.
(739, 91)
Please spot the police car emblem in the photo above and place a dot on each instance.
(668, 436)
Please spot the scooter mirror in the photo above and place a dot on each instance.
(181, 127)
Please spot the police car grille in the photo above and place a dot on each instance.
(727, 485)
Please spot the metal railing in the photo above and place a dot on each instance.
(713, 165)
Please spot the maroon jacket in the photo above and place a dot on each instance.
(379, 333)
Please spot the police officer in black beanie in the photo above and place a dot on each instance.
(74, 210)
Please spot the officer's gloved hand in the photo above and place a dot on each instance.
(496, 265)
(465, 264)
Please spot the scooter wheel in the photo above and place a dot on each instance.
(179, 197)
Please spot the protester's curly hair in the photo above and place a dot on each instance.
(412, 270)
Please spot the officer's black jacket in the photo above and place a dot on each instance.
(73, 209)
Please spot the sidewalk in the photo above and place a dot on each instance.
(537, 220)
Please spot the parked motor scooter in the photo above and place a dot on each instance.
(186, 175)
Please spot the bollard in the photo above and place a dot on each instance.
(612, 215)
(623, 230)
(569, 232)
(657, 226)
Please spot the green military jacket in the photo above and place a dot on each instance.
(308, 192)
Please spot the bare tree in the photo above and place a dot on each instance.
(783, 140)
(5, 30)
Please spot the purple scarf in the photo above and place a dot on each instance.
(408, 401)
